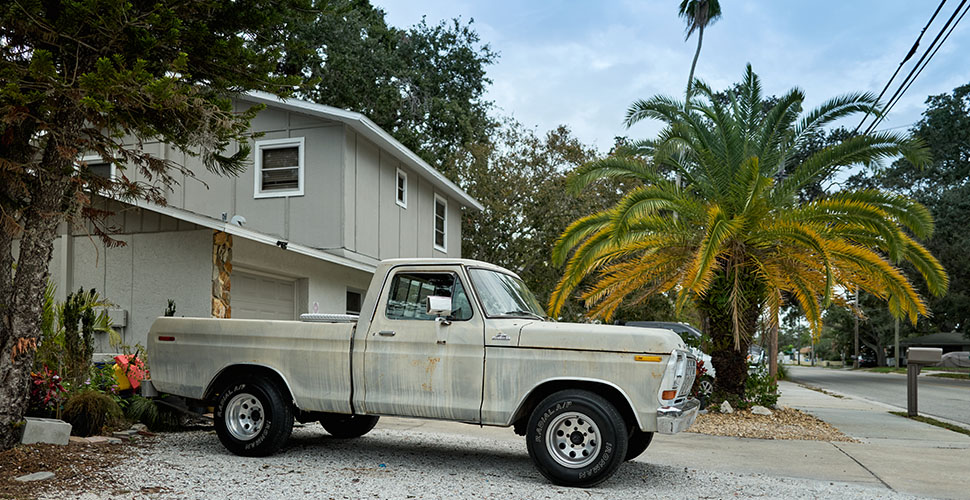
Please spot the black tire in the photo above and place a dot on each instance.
(347, 426)
(252, 418)
(582, 461)
(637, 444)
(705, 386)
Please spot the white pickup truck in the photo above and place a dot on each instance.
(446, 339)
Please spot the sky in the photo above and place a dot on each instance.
(582, 63)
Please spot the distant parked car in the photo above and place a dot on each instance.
(958, 359)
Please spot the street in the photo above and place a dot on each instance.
(938, 397)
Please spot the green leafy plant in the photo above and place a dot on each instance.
(89, 412)
(46, 393)
(155, 416)
(760, 389)
(782, 372)
(67, 333)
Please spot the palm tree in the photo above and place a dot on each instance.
(698, 14)
(734, 239)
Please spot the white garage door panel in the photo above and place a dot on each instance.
(260, 297)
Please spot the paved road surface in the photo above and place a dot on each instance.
(938, 397)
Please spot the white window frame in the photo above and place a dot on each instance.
(97, 159)
(434, 220)
(258, 148)
(397, 179)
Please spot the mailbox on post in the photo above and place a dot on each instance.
(915, 358)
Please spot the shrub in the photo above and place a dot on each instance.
(761, 389)
(156, 417)
(46, 393)
(782, 372)
(90, 412)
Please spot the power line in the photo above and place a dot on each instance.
(909, 54)
(893, 104)
(911, 76)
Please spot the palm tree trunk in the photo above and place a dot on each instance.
(693, 65)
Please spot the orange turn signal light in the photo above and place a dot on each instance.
(668, 395)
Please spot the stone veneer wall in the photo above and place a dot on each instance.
(221, 273)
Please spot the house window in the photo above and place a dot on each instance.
(402, 189)
(353, 302)
(440, 223)
(279, 168)
(97, 166)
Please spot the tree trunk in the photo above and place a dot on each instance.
(693, 65)
(729, 352)
(24, 302)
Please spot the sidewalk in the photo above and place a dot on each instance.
(903, 454)
(894, 453)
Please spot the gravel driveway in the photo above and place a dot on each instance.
(401, 464)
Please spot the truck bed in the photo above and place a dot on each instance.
(312, 358)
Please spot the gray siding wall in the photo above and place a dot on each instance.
(163, 258)
(375, 225)
(313, 219)
(348, 200)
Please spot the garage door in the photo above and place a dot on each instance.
(254, 296)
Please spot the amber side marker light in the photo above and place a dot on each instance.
(166, 339)
(655, 359)
(668, 394)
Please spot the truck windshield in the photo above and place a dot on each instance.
(504, 295)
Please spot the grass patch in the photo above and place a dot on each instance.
(944, 369)
(933, 421)
(959, 376)
(886, 369)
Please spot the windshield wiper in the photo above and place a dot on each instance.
(524, 313)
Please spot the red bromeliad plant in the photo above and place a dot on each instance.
(46, 392)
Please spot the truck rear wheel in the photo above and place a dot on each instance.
(576, 438)
(252, 418)
(347, 426)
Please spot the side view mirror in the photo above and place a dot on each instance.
(439, 306)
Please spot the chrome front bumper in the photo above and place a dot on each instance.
(671, 420)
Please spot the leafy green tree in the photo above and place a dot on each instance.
(943, 186)
(734, 239)
(102, 76)
(698, 14)
(425, 84)
(519, 176)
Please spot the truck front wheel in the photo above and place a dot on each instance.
(576, 438)
(252, 418)
(347, 426)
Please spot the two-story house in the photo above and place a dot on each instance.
(328, 194)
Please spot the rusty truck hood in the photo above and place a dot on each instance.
(588, 337)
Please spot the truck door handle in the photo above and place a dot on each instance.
(387, 333)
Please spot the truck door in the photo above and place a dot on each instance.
(417, 365)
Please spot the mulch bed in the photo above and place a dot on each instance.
(77, 467)
(784, 423)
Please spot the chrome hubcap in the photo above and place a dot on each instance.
(244, 417)
(573, 440)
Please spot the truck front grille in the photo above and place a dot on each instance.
(689, 376)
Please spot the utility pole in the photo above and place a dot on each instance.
(855, 359)
(896, 345)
